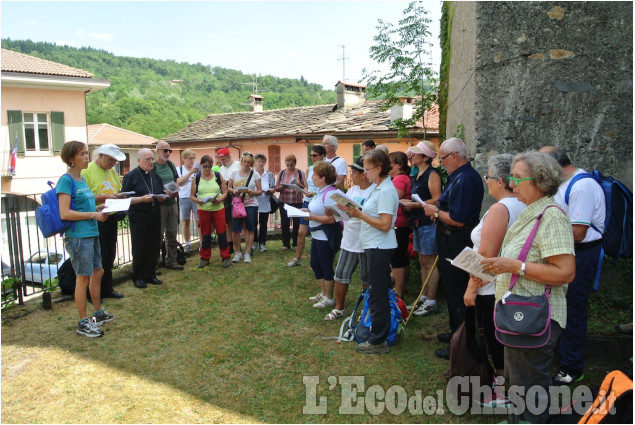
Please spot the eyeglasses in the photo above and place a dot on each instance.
(167, 150)
(515, 181)
(248, 154)
(206, 166)
(368, 169)
(486, 177)
(445, 156)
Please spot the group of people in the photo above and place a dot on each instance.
(443, 221)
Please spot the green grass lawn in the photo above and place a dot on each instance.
(215, 345)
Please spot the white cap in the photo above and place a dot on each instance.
(111, 150)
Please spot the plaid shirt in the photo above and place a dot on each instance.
(290, 196)
(554, 237)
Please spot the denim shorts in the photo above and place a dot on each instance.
(85, 254)
(187, 206)
(250, 221)
(303, 220)
(425, 240)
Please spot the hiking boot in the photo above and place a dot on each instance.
(87, 328)
(101, 317)
(565, 378)
(237, 257)
(368, 348)
(426, 310)
(247, 258)
(226, 263)
(203, 263)
(263, 248)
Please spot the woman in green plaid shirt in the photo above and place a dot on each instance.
(535, 178)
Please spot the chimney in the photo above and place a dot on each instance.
(402, 110)
(349, 96)
(255, 103)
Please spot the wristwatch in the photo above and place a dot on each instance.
(436, 214)
(522, 269)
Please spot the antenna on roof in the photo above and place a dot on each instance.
(343, 59)
(254, 85)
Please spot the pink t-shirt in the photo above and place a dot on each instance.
(402, 183)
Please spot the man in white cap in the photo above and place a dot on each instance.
(105, 183)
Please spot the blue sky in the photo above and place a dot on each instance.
(282, 38)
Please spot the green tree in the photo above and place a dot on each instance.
(404, 47)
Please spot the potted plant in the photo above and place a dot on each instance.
(48, 287)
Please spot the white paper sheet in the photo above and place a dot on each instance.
(470, 261)
(340, 198)
(171, 187)
(295, 212)
(114, 205)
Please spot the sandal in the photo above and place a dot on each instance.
(324, 302)
(317, 297)
(293, 263)
(334, 314)
(284, 248)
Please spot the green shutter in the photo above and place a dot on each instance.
(15, 130)
(57, 131)
(356, 151)
(309, 160)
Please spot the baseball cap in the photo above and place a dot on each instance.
(112, 151)
(222, 152)
(358, 165)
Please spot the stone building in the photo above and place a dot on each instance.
(527, 74)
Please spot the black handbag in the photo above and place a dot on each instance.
(274, 204)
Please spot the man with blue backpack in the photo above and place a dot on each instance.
(583, 200)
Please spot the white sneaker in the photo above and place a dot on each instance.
(324, 302)
(247, 258)
(237, 257)
(263, 248)
(187, 248)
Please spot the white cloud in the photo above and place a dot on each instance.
(101, 36)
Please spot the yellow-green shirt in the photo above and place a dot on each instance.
(100, 181)
(205, 189)
(554, 237)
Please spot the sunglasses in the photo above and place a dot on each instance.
(248, 154)
(167, 150)
(206, 166)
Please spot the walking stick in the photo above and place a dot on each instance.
(423, 287)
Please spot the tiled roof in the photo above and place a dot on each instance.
(367, 118)
(19, 62)
(99, 134)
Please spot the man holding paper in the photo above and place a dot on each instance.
(105, 183)
(456, 214)
(170, 207)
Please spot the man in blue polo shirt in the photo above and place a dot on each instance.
(456, 214)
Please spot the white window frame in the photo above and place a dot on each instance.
(37, 151)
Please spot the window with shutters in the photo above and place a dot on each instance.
(36, 132)
(274, 159)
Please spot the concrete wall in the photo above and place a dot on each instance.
(546, 73)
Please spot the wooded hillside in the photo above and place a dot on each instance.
(159, 97)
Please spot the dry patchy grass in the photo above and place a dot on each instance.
(208, 346)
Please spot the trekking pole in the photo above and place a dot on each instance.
(423, 287)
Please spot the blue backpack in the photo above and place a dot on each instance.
(48, 215)
(617, 239)
(361, 328)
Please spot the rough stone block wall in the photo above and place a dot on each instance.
(553, 73)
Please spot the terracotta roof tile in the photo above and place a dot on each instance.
(19, 62)
(99, 134)
(291, 122)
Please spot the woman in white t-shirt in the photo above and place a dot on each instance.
(245, 183)
(488, 237)
(351, 251)
(187, 207)
(264, 202)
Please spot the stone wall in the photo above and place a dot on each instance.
(545, 73)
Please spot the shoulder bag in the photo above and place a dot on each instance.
(524, 321)
(238, 207)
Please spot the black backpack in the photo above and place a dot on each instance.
(66, 278)
(180, 253)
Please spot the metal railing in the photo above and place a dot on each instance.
(25, 254)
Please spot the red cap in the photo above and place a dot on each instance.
(221, 153)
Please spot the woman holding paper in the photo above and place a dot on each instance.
(326, 233)
(427, 186)
(487, 237)
(292, 197)
(378, 238)
(245, 183)
(535, 178)
(208, 192)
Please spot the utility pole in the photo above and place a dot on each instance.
(344, 58)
